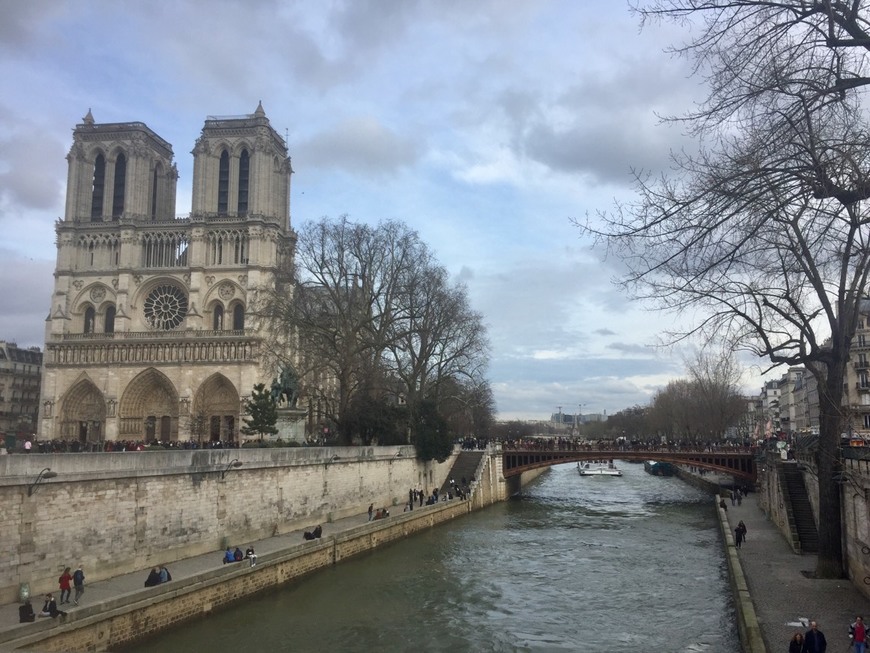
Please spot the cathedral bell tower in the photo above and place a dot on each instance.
(149, 335)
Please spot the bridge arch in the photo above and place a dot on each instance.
(739, 463)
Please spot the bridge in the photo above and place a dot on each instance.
(738, 462)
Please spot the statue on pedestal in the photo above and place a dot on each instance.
(286, 387)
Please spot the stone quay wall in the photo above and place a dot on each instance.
(855, 500)
(144, 612)
(113, 512)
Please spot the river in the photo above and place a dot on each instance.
(574, 564)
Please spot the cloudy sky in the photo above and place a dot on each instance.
(486, 125)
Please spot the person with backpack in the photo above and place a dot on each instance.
(79, 583)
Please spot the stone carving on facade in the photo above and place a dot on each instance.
(98, 294)
(226, 290)
(115, 283)
(78, 283)
(209, 279)
(186, 277)
(243, 279)
(110, 407)
(137, 278)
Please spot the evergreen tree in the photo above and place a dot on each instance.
(261, 411)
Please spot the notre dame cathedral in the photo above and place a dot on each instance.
(150, 334)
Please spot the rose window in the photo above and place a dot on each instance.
(165, 307)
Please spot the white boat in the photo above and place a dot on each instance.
(598, 469)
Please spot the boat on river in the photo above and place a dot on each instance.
(598, 469)
(659, 469)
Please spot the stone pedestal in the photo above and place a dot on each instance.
(291, 424)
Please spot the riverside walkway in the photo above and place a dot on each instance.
(99, 593)
(783, 596)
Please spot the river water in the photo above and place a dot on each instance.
(574, 564)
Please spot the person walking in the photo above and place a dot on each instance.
(858, 635)
(65, 582)
(79, 583)
(796, 645)
(371, 510)
(814, 640)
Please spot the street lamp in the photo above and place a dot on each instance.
(43, 475)
(233, 464)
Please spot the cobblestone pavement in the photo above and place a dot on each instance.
(785, 599)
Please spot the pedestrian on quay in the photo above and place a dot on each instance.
(79, 583)
(371, 510)
(65, 582)
(796, 645)
(738, 537)
(814, 640)
(858, 635)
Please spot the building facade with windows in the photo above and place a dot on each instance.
(150, 333)
(20, 373)
(857, 383)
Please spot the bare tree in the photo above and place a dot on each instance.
(765, 229)
(372, 320)
(715, 377)
(435, 336)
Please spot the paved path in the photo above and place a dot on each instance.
(784, 597)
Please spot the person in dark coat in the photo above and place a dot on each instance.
(238, 556)
(153, 578)
(26, 613)
(796, 645)
(814, 640)
(50, 608)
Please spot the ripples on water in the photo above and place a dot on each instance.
(574, 564)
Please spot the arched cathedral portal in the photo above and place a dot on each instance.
(149, 408)
(215, 413)
(83, 415)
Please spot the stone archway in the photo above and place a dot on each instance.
(83, 413)
(215, 412)
(149, 408)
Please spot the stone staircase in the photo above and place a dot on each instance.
(465, 466)
(800, 510)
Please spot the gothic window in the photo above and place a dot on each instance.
(154, 178)
(98, 188)
(238, 317)
(91, 249)
(244, 178)
(118, 190)
(164, 250)
(227, 248)
(240, 254)
(90, 318)
(223, 183)
(109, 326)
(165, 307)
(218, 321)
(866, 421)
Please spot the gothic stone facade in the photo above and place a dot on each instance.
(151, 334)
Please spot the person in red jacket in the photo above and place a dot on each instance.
(65, 582)
(858, 633)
